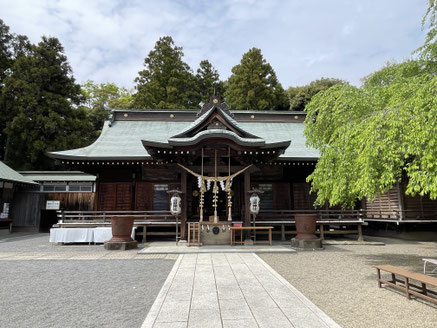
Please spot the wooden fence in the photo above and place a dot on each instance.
(150, 223)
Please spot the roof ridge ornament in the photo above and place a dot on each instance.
(215, 101)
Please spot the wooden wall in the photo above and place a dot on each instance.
(388, 205)
(77, 201)
(128, 196)
(302, 199)
(26, 209)
(419, 207)
(27, 206)
(384, 207)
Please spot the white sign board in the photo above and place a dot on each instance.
(53, 205)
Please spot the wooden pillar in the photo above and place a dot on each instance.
(184, 204)
(2, 186)
(246, 198)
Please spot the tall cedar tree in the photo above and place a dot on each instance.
(11, 47)
(208, 81)
(5, 64)
(299, 97)
(254, 85)
(43, 93)
(167, 81)
(98, 98)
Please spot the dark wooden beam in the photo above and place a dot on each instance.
(184, 204)
(246, 198)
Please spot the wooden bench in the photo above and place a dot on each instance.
(241, 229)
(406, 286)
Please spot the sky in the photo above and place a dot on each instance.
(303, 40)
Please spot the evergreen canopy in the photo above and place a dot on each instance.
(254, 85)
(166, 81)
(208, 81)
(42, 98)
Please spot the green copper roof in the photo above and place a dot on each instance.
(122, 140)
(61, 176)
(8, 174)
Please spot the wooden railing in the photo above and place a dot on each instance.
(322, 215)
(404, 215)
(142, 219)
(105, 216)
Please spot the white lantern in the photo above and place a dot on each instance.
(254, 203)
(175, 204)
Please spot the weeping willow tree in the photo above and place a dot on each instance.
(385, 131)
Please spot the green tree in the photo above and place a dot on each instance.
(6, 61)
(42, 91)
(167, 81)
(379, 134)
(373, 136)
(208, 81)
(99, 98)
(11, 47)
(428, 51)
(300, 96)
(254, 85)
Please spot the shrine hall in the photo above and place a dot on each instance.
(213, 157)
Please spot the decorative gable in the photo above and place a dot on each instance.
(215, 101)
(214, 116)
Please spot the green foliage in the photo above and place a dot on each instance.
(208, 81)
(253, 85)
(12, 46)
(428, 51)
(299, 97)
(44, 98)
(166, 81)
(6, 61)
(99, 98)
(373, 136)
(5, 50)
(382, 133)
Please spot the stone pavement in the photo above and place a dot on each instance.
(230, 290)
(163, 247)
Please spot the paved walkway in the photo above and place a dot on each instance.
(230, 290)
(163, 247)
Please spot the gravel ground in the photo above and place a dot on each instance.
(41, 287)
(342, 281)
(39, 242)
(96, 293)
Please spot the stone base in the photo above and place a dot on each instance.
(182, 242)
(306, 243)
(212, 233)
(248, 242)
(120, 245)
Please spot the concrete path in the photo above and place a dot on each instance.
(230, 290)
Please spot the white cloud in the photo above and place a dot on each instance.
(107, 41)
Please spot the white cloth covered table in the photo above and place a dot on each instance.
(82, 235)
(102, 234)
(71, 235)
